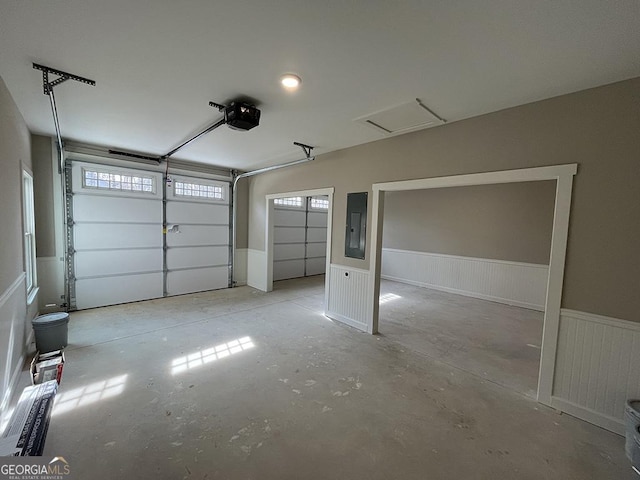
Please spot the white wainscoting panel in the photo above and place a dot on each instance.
(256, 269)
(51, 283)
(597, 368)
(513, 283)
(14, 335)
(240, 267)
(348, 296)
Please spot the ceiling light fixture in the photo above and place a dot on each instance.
(290, 81)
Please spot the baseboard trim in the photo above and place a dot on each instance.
(466, 293)
(349, 321)
(601, 420)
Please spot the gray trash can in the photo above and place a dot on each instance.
(632, 421)
(51, 331)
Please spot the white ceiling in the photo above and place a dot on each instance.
(157, 64)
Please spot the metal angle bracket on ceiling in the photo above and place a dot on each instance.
(62, 77)
(305, 148)
(47, 87)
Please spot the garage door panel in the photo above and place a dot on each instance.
(185, 257)
(316, 266)
(98, 292)
(288, 269)
(202, 213)
(191, 235)
(112, 262)
(97, 208)
(316, 249)
(317, 219)
(300, 237)
(317, 235)
(289, 218)
(197, 280)
(288, 251)
(198, 253)
(102, 236)
(288, 235)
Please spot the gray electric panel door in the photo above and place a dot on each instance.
(117, 235)
(197, 235)
(300, 237)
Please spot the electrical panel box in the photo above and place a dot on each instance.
(355, 239)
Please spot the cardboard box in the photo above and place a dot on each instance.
(47, 366)
(27, 430)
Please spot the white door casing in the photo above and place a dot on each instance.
(563, 175)
(267, 268)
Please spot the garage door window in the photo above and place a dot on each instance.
(297, 202)
(319, 203)
(117, 181)
(198, 190)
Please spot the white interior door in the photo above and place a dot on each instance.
(117, 235)
(197, 235)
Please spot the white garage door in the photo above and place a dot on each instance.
(118, 242)
(300, 237)
(197, 235)
(117, 235)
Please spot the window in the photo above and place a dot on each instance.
(29, 232)
(198, 190)
(319, 203)
(116, 181)
(289, 201)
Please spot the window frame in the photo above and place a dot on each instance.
(29, 233)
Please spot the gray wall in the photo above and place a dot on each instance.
(15, 153)
(596, 128)
(501, 222)
(242, 214)
(44, 202)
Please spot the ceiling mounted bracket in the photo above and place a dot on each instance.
(219, 106)
(47, 87)
(305, 148)
(62, 77)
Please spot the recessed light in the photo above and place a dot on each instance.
(290, 81)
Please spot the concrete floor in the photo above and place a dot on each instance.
(144, 397)
(497, 342)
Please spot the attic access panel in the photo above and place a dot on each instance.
(403, 118)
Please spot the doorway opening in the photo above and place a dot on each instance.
(309, 238)
(464, 275)
(563, 177)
